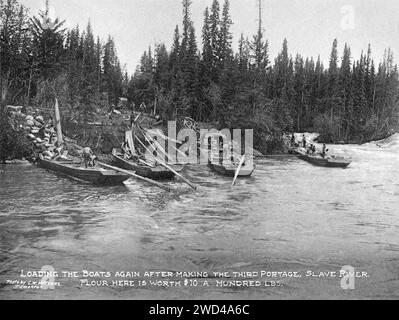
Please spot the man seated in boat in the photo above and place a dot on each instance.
(324, 152)
(88, 157)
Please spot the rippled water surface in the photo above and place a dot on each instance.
(290, 216)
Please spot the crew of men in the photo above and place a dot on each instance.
(311, 149)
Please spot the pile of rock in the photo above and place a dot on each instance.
(42, 134)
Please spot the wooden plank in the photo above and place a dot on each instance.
(135, 176)
(130, 142)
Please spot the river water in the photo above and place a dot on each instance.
(290, 216)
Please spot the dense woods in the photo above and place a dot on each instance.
(41, 59)
(349, 99)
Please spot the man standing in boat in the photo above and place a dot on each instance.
(88, 157)
(304, 141)
(293, 141)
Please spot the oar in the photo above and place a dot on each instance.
(135, 176)
(163, 151)
(160, 147)
(166, 166)
(165, 138)
(179, 175)
(146, 163)
(162, 136)
(238, 169)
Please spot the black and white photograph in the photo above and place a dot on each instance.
(199, 150)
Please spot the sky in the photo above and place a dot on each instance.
(310, 26)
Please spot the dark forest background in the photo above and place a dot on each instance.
(350, 99)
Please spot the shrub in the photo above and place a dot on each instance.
(328, 127)
(13, 144)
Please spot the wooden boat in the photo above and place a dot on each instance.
(94, 175)
(155, 173)
(323, 162)
(230, 171)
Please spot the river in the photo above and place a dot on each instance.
(289, 216)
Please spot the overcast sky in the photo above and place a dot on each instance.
(309, 25)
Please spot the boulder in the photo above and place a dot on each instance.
(13, 108)
(39, 119)
(48, 154)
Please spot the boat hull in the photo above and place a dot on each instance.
(329, 163)
(156, 173)
(231, 171)
(94, 176)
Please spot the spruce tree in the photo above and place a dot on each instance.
(48, 41)
(346, 92)
(207, 52)
(225, 37)
(215, 36)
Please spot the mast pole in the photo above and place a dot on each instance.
(58, 123)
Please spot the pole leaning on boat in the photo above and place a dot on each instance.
(135, 176)
(193, 186)
(238, 170)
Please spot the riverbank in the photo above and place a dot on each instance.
(16, 162)
(37, 135)
(104, 132)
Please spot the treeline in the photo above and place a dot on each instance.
(40, 60)
(347, 100)
(205, 79)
